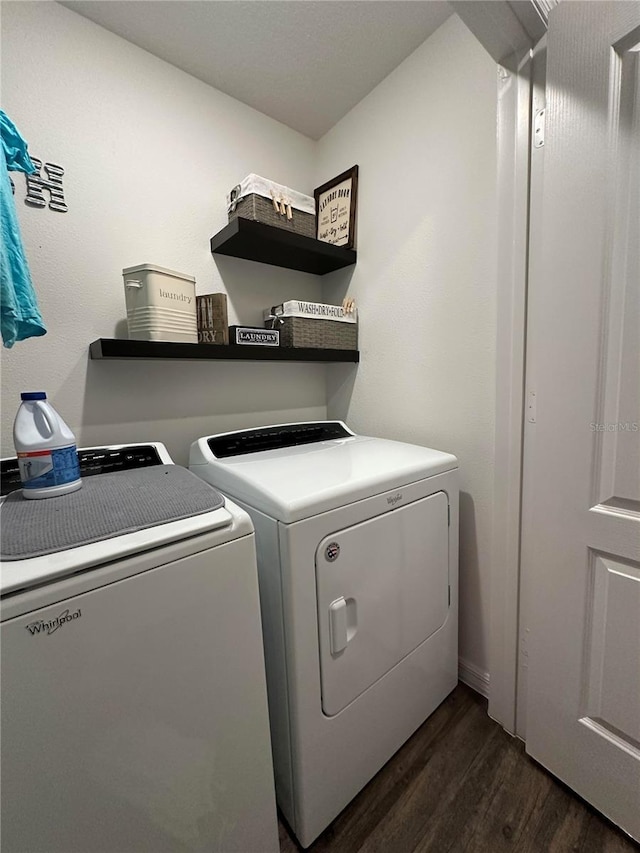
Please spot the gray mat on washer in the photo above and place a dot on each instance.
(107, 505)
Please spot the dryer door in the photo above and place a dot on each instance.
(383, 588)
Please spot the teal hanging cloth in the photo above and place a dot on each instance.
(19, 313)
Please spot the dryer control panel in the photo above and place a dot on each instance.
(275, 437)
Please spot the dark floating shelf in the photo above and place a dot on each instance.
(254, 241)
(112, 348)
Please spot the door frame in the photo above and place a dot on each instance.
(514, 134)
(509, 31)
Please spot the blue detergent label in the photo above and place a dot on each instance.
(41, 469)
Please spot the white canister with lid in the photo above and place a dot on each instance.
(46, 449)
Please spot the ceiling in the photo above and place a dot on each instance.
(305, 63)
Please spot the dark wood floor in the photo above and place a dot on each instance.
(462, 784)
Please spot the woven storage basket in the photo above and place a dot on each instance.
(244, 202)
(317, 334)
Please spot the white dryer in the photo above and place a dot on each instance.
(357, 542)
(134, 708)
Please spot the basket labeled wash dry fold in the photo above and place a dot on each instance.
(314, 325)
(265, 201)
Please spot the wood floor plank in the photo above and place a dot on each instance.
(462, 785)
(518, 794)
(567, 836)
(563, 821)
(453, 822)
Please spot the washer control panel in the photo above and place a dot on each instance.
(95, 460)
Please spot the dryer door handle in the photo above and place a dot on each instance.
(343, 623)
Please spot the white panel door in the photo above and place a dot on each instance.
(582, 505)
(383, 589)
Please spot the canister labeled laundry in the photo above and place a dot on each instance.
(161, 304)
(46, 449)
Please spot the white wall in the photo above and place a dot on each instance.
(425, 281)
(149, 154)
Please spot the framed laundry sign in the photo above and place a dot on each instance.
(336, 209)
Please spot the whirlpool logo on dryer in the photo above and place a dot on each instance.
(392, 500)
(42, 626)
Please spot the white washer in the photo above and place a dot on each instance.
(134, 709)
(357, 542)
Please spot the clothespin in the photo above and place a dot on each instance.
(276, 206)
(286, 207)
(348, 305)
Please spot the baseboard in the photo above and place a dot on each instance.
(476, 678)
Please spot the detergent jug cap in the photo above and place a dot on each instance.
(33, 395)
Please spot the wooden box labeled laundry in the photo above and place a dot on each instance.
(314, 325)
(212, 319)
(272, 204)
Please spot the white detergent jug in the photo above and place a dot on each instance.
(46, 449)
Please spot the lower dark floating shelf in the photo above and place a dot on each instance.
(112, 348)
